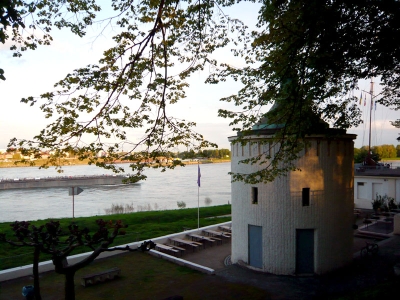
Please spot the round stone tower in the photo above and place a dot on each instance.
(300, 223)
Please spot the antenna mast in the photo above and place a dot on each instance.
(371, 92)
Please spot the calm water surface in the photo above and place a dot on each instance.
(159, 191)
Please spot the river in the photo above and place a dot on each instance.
(160, 191)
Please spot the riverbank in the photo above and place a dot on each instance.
(77, 162)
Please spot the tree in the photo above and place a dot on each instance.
(28, 24)
(385, 151)
(50, 241)
(29, 235)
(16, 156)
(310, 56)
(307, 57)
(397, 125)
(360, 154)
(136, 93)
(99, 242)
(225, 153)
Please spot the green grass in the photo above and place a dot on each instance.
(141, 226)
(142, 277)
(391, 158)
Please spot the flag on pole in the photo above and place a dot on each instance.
(198, 175)
(375, 105)
(372, 104)
(361, 98)
(365, 100)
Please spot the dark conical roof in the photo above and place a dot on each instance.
(267, 122)
(275, 119)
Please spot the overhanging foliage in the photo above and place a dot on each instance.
(307, 55)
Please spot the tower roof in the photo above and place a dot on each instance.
(276, 118)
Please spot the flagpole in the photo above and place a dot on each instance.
(198, 196)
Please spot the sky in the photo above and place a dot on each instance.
(37, 71)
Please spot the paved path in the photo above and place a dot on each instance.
(362, 273)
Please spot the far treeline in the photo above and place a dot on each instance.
(378, 152)
(207, 153)
(191, 154)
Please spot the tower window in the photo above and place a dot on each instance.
(254, 195)
(306, 196)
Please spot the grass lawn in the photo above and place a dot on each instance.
(142, 277)
(141, 226)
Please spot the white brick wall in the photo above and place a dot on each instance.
(279, 211)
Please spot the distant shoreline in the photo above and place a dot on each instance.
(76, 162)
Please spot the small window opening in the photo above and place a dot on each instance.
(254, 195)
(360, 183)
(306, 196)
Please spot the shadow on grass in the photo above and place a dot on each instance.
(142, 277)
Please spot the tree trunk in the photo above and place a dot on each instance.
(70, 285)
(35, 272)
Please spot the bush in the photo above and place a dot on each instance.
(119, 209)
(383, 203)
(392, 204)
(181, 204)
(377, 203)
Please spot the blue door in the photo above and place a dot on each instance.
(255, 246)
(304, 251)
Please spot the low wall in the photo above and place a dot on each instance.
(182, 262)
(48, 265)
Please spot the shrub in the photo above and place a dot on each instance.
(392, 204)
(377, 203)
(181, 204)
(384, 203)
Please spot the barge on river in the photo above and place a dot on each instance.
(60, 181)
